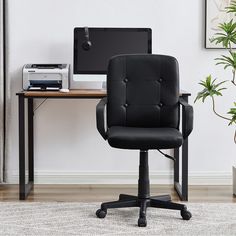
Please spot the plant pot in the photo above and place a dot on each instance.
(234, 180)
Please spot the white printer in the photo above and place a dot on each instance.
(46, 76)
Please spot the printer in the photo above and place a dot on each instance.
(46, 76)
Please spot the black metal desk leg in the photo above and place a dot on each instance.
(25, 188)
(176, 165)
(31, 138)
(185, 170)
(182, 190)
(21, 111)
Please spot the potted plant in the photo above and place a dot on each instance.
(212, 87)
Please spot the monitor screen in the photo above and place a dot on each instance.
(93, 47)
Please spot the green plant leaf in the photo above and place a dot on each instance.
(232, 112)
(227, 61)
(231, 7)
(227, 36)
(210, 88)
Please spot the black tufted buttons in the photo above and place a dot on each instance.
(160, 80)
(160, 104)
(125, 80)
(126, 105)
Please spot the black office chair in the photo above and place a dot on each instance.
(143, 107)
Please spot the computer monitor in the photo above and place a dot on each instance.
(93, 47)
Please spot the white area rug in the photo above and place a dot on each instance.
(64, 219)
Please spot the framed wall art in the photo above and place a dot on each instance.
(214, 15)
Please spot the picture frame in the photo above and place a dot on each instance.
(215, 13)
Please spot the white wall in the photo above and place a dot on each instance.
(1, 93)
(67, 146)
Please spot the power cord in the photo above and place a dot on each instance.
(166, 155)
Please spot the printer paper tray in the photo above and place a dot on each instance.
(43, 89)
(45, 85)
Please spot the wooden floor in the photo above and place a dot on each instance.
(99, 193)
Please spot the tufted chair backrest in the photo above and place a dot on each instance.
(143, 91)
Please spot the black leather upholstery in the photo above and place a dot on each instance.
(143, 91)
(100, 117)
(143, 103)
(144, 138)
(187, 118)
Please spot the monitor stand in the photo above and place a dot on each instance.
(85, 81)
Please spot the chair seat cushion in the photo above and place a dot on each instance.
(144, 138)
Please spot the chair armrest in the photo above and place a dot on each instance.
(187, 116)
(100, 108)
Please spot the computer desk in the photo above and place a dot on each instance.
(27, 127)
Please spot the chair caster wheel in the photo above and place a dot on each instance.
(186, 215)
(142, 222)
(101, 213)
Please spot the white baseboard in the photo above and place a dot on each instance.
(159, 177)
